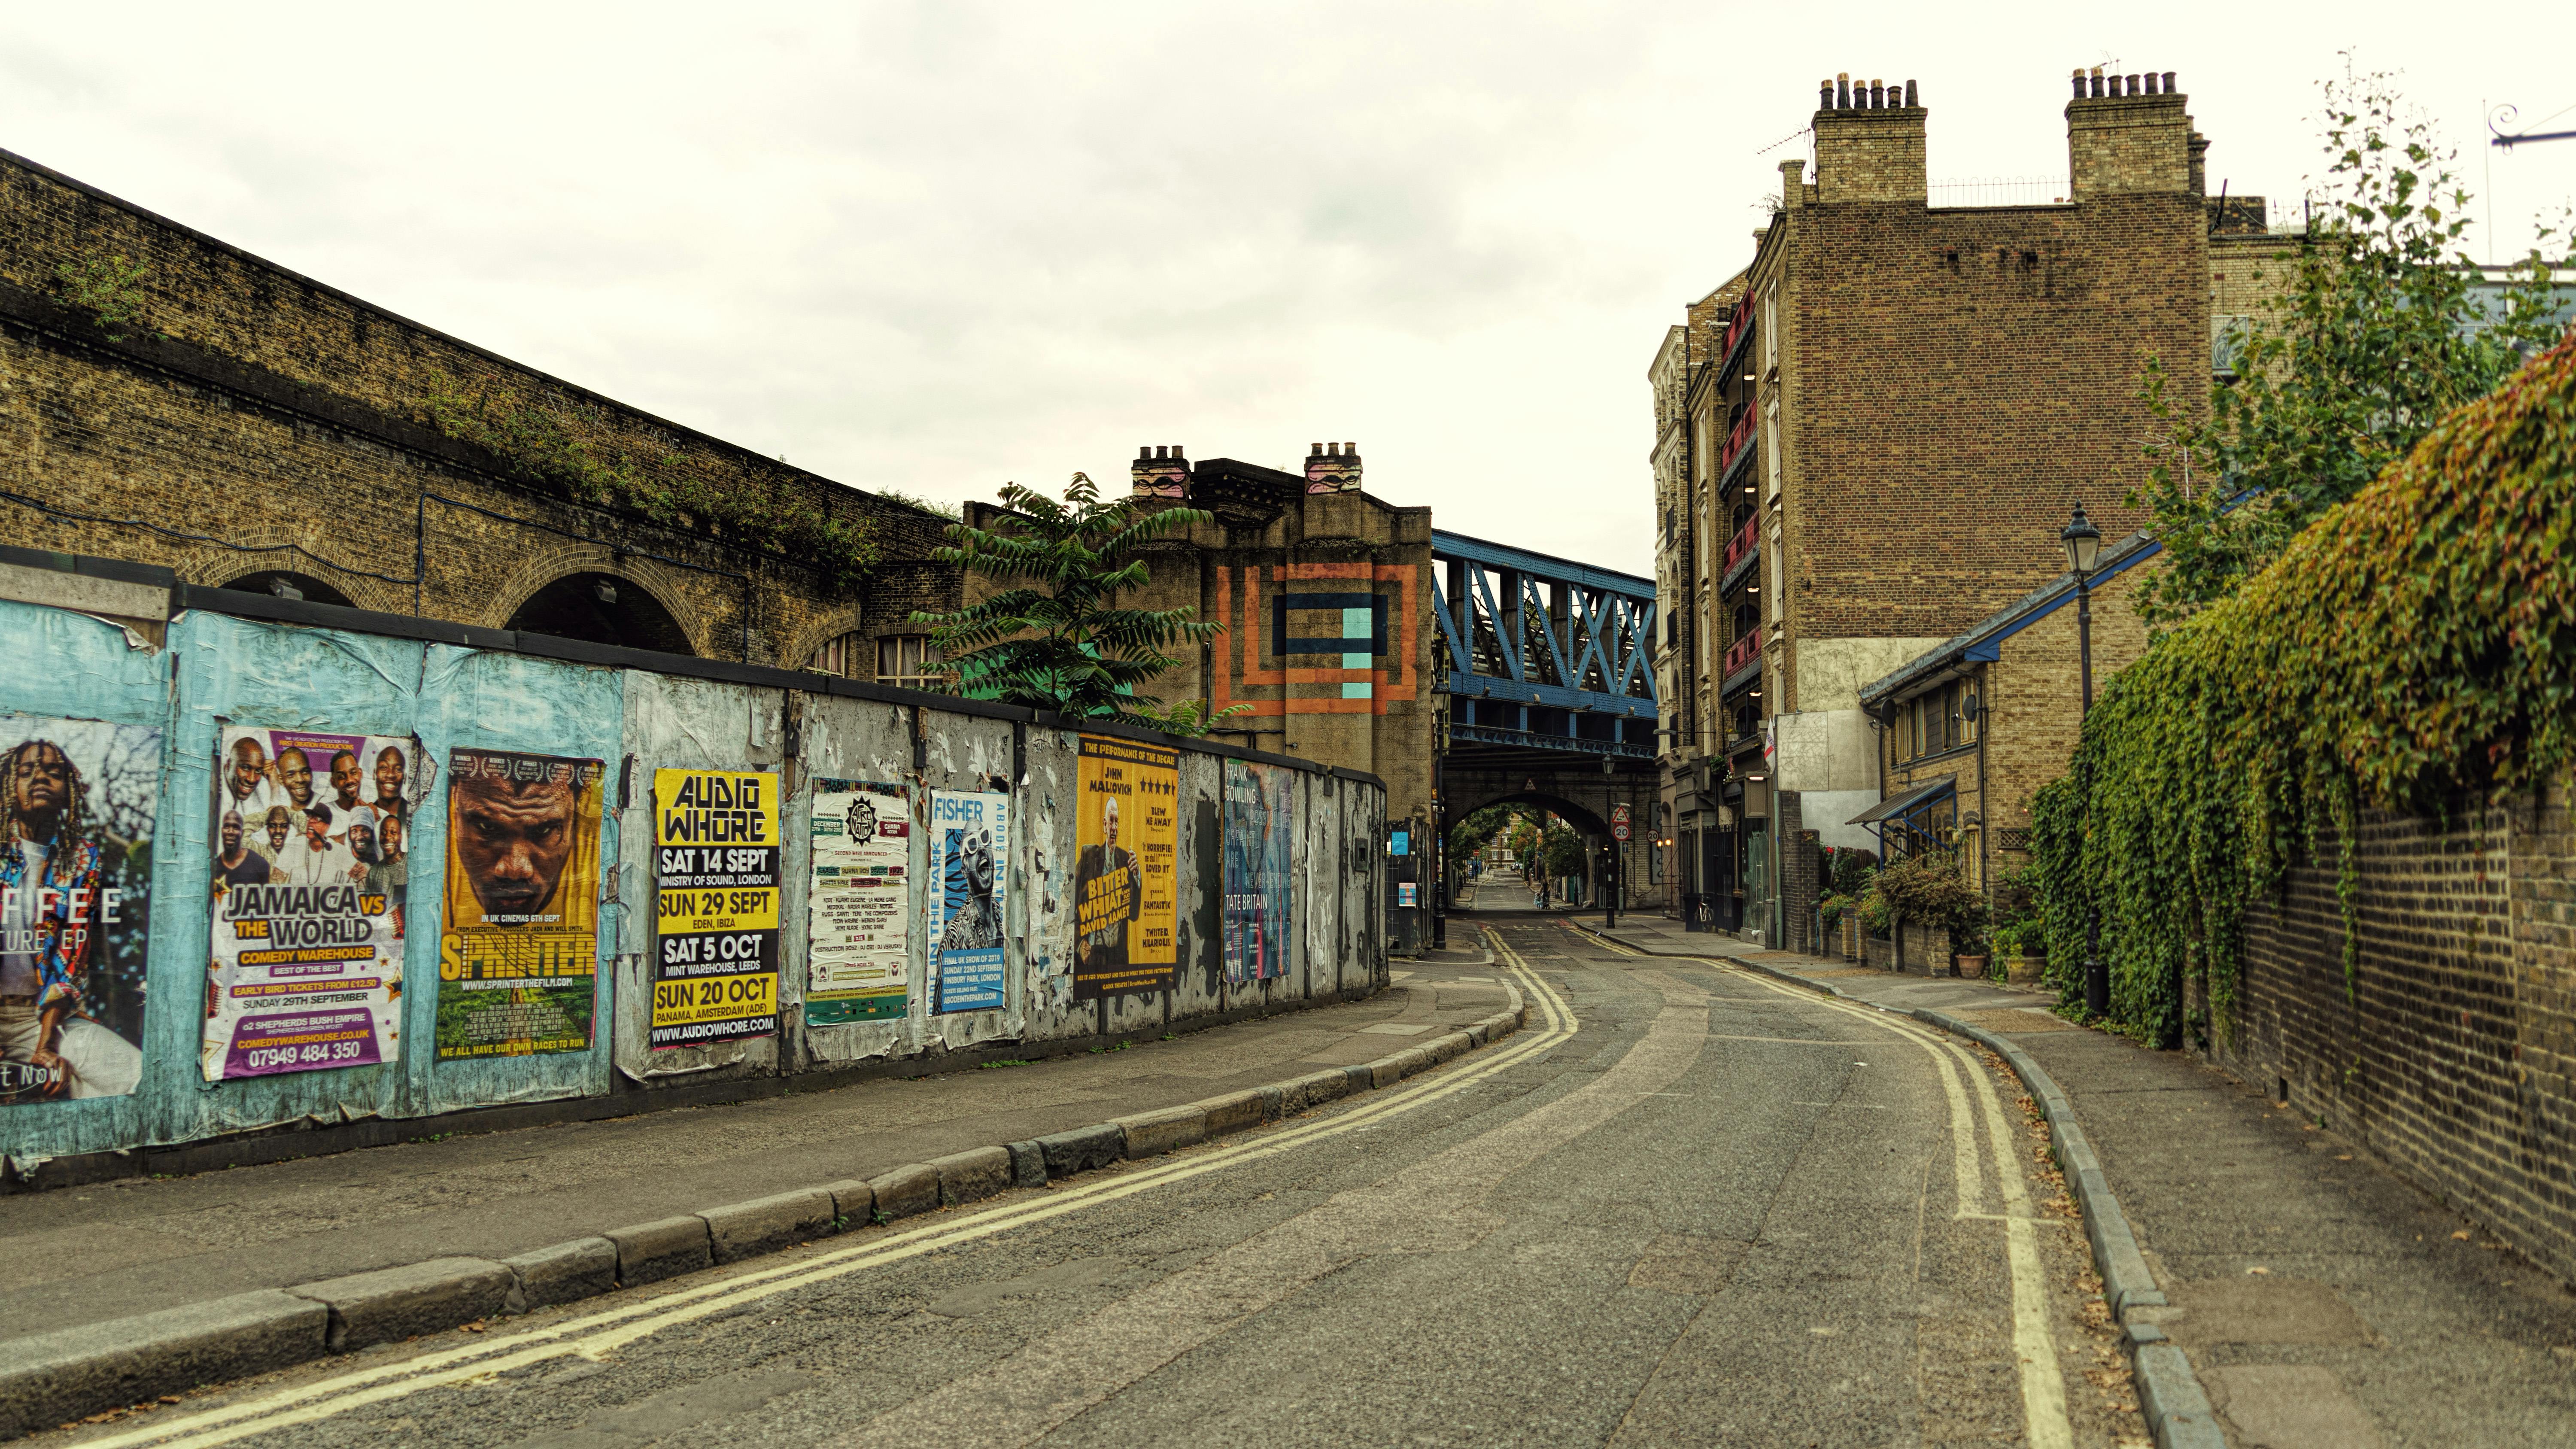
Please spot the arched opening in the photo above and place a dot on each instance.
(281, 584)
(1594, 830)
(602, 609)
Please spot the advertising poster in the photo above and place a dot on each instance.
(310, 850)
(861, 904)
(77, 799)
(1126, 834)
(518, 945)
(970, 839)
(716, 860)
(1260, 831)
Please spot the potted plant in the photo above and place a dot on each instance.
(1929, 887)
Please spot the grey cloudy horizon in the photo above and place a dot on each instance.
(932, 248)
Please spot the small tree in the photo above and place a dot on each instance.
(2378, 330)
(1055, 642)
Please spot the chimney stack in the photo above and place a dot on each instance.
(1159, 472)
(2128, 134)
(1332, 467)
(1869, 144)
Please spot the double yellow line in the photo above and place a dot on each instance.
(596, 1335)
(2043, 1382)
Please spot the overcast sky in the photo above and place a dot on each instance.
(938, 247)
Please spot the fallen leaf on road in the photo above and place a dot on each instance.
(2266, 1272)
(2461, 1236)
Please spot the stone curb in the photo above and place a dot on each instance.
(2169, 1393)
(57, 1377)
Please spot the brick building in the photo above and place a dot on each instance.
(1325, 593)
(169, 399)
(1874, 448)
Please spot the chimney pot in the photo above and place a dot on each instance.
(1877, 95)
(2079, 83)
(1842, 90)
(1314, 450)
(2169, 85)
(1159, 452)
(1176, 451)
(2133, 87)
(1824, 95)
(2097, 82)
(2151, 82)
(1144, 452)
(1912, 100)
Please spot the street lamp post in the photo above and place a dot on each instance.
(2083, 550)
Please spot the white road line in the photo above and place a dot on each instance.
(594, 1336)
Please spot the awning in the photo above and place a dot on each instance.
(1907, 803)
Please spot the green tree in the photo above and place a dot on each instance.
(1055, 640)
(1477, 831)
(2376, 331)
(1561, 853)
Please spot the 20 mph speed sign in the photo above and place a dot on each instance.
(1618, 822)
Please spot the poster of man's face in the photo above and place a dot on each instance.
(295, 773)
(389, 781)
(513, 837)
(77, 805)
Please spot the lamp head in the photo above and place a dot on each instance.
(2083, 542)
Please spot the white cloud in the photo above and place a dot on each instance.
(937, 246)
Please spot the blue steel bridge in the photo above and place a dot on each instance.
(1550, 672)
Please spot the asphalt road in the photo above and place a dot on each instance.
(1687, 1205)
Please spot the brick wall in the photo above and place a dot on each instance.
(260, 410)
(2454, 1056)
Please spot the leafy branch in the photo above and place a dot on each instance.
(545, 444)
(108, 288)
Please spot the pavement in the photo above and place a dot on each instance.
(2321, 1300)
(1685, 1204)
(137, 1245)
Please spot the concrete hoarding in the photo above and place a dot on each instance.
(218, 671)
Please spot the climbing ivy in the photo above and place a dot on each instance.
(545, 444)
(2414, 647)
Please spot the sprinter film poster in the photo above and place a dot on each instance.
(1126, 832)
(311, 847)
(1260, 828)
(970, 842)
(716, 887)
(78, 798)
(518, 946)
(860, 904)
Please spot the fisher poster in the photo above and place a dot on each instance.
(518, 946)
(970, 839)
(860, 905)
(77, 804)
(1260, 833)
(310, 857)
(1126, 831)
(716, 889)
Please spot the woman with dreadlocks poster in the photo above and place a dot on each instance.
(76, 809)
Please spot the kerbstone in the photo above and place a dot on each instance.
(1447, 1048)
(1322, 1087)
(564, 1273)
(907, 1191)
(765, 1225)
(53, 1377)
(1028, 1164)
(651, 1252)
(973, 1176)
(1082, 1149)
(853, 1202)
(1150, 1134)
(1232, 1112)
(392, 1304)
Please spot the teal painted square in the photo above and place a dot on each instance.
(1359, 691)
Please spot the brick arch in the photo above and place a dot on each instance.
(665, 585)
(821, 628)
(215, 565)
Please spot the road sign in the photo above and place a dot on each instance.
(1618, 822)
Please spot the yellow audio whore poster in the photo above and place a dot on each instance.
(716, 858)
(518, 946)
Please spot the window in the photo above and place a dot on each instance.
(1771, 448)
(1770, 325)
(842, 656)
(908, 662)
